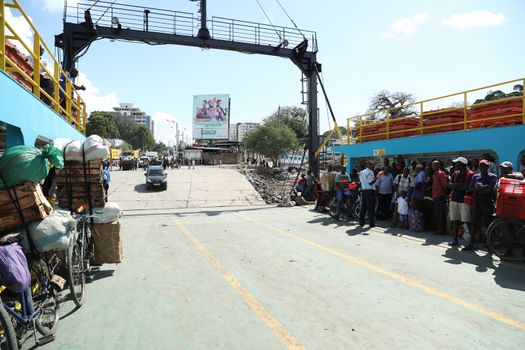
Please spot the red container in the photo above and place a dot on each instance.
(435, 121)
(480, 114)
(20, 61)
(511, 199)
(403, 128)
(369, 132)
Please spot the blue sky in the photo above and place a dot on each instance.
(425, 47)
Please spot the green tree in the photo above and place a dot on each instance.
(160, 147)
(142, 139)
(293, 117)
(272, 139)
(127, 127)
(103, 125)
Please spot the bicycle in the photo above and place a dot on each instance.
(506, 234)
(80, 255)
(37, 306)
(506, 239)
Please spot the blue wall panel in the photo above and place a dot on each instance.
(33, 118)
(508, 142)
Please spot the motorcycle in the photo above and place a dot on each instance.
(351, 206)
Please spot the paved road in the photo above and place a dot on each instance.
(187, 188)
(260, 277)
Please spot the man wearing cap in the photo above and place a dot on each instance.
(507, 171)
(459, 210)
(482, 186)
(439, 195)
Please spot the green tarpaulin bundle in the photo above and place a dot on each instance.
(21, 164)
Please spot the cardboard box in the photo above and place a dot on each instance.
(32, 202)
(108, 244)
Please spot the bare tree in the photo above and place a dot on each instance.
(395, 102)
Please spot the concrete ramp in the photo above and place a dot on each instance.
(202, 187)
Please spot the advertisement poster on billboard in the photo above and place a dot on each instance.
(211, 116)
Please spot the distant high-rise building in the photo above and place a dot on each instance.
(140, 117)
(233, 132)
(242, 129)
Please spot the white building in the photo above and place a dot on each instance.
(240, 130)
(140, 117)
(233, 133)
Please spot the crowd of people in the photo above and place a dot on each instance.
(428, 195)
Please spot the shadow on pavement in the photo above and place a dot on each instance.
(141, 188)
(507, 275)
(100, 275)
(179, 213)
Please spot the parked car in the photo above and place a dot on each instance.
(156, 178)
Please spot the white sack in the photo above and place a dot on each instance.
(55, 232)
(110, 213)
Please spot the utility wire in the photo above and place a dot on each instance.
(269, 20)
(326, 108)
(94, 3)
(290, 18)
(107, 8)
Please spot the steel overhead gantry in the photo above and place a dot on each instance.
(86, 22)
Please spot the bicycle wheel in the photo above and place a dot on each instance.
(76, 274)
(332, 207)
(47, 322)
(44, 298)
(505, 238)
(8, 340)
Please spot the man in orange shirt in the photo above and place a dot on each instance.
(439, 195)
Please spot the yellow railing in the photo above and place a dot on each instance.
(463, 116)
(55, 89)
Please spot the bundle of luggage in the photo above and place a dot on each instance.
(23, 206)
(25, 209)
(79, 182)
(26, 200)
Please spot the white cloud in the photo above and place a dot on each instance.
(406, 25)
(22, 28)
(165, 128)
(388, 35)
(409, 25)
(91, 97)
(57, 5)
(475, 19)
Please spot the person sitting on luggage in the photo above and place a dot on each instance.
(301, 184)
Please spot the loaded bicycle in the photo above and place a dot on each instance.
(81, 255)
(35, 308)
(506, 234)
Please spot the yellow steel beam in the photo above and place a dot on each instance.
(2, 35)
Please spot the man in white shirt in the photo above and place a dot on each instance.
(368, 203)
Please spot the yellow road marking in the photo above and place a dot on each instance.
(271, 322)
(393, 275)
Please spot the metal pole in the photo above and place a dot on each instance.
(313, 138)
(204, 33)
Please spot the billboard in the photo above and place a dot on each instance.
(211, 116)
